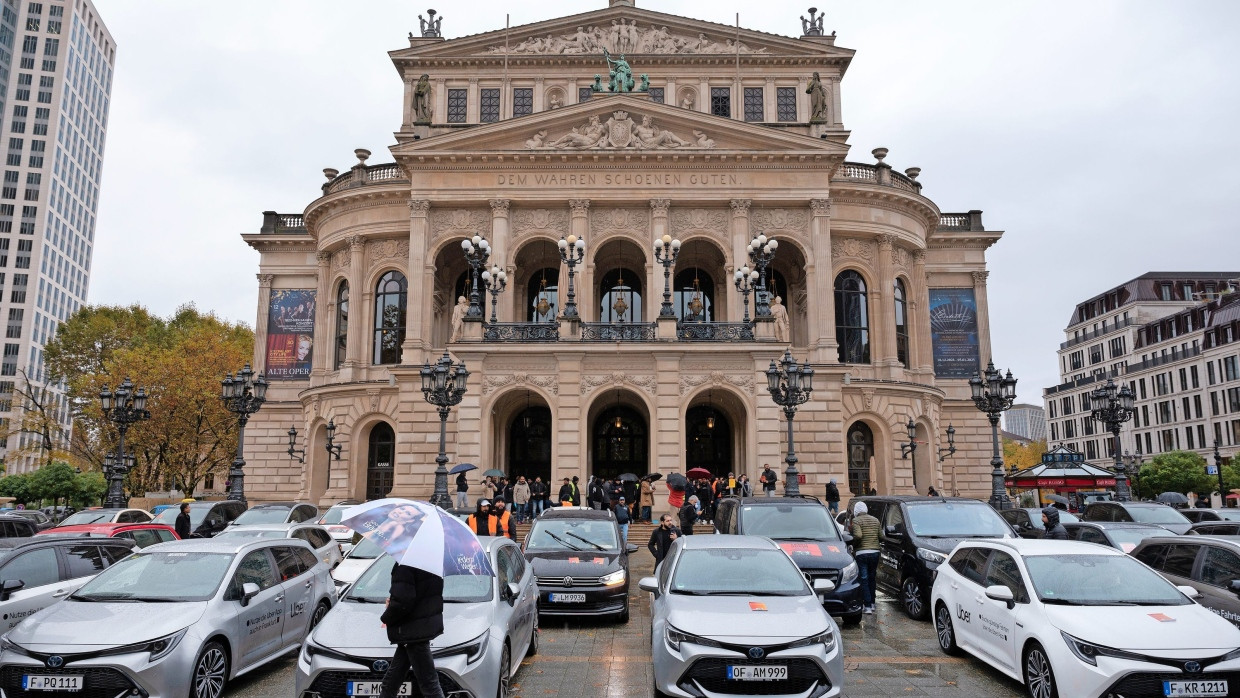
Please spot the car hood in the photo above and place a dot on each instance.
(573, 563)
(1188, 627)
(355, 628)
(945, 545)
(816, 554)
(86, 625)
(732, 618)
(350, 569)
(1176, 528)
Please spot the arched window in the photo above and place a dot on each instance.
(860, 451)
(620, 299)
(380, 454)
(543, 294)
(693, 295)
(391, 295)
(852, 318)
(342, 323)
(901, 323)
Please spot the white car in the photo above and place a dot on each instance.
(324, 546)
(330, 520)
(1081, 620)
(355, 562)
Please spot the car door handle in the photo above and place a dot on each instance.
(278, 599)
(980, 599)
(309, 584)
(60, 593)
(955, 585)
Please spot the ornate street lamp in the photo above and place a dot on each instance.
(443, 385)
(945, 453)
(572, 252)
(666, 250)
(293, 451)
(1218, 468)
(243, 395)
(1113, 405)
(123, 407)
(790, 385)
(911, 446)
(1134, 467)
(333, 448)
(477, 252)
(496, 280)
(746, 281)
(994, 395)
(761, 252)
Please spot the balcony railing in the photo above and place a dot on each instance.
(362, 175)
(1117, 325)
(961, 221)
(714, 332)
(521, 332)
(619, 332)
(282, 224)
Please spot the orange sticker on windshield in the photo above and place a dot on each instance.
(833, 548)
(756, 606)
(1162, 617)
(600, 560)
(574, 559)
(810, 549)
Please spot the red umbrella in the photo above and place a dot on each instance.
(1233, 496)
(698, 474)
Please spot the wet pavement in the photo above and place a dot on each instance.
(886, 655)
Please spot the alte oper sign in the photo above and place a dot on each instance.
(624, 179)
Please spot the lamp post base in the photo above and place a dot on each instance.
(236, 481)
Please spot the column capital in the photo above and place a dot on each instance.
(419, 206)
(820, 207)
(579, 206)
(919, 256)
(740, 207)
(538, 80)
(885, 242)
(264, 280)
(356, 243)
(659, 206)
(324, 258)
(979, 278)
(499, 207)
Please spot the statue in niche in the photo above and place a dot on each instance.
(458, 318)
(686, 102)
(817, 101)
(555, 100)
(422, 100)
(783, 329)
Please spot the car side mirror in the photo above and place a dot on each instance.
(1191, 592)
(513, 592)
(895, 530)
(10, 586)
(847, 537)
(1235, 586)
(824, 586)
(248, 591)
(630, 548)
(649, 584)
(999, 592)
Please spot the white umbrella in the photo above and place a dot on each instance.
(421, 535)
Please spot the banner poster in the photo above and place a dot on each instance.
(290, 334)
(953, 332)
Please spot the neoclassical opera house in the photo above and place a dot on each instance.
(722, 136)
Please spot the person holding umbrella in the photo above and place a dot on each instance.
(462, 485)
(413, 617)
(646, 500)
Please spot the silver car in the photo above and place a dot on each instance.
(172, 620)
(324, 545)
(355, 562)
(490, 626)
(734, 615)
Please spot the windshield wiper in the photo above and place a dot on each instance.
(363, 599)
(690, 592)
(563, 542)
(157, 599)
(109, 596)
(771, 593)
(807, 538)
(583, 540)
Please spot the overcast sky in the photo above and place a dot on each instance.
(1100, 136)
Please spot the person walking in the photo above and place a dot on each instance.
(769, 478)
(833, 498)
(645, 501)
(488, 488)
(538, 496)
(462, 491)
(413, 617)
(746, 489)
(505, 525)
(623, 518)
(521, 498)
(662, 537)
(689, 515)
(1054, 529)
(565, 496)
(675, 499)
(865, 530)
(595, 494)
(183, 525)
(576, 492)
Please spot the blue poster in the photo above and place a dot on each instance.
(290, 334)
(953, 332)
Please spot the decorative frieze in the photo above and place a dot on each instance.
(620, 131)
(772, 221)
(462, 221)
(853, 248)
(388, 251)
(622, 38)
(617, 379)
(717, 379)
(713, 221)
(605, 221)
(340, 260)
(551, 221)
(494, 382)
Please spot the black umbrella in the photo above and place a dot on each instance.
(1172, 498)
(654, 477)
(462, 468)
(628, 477)
(1058, 498)
(677, 481)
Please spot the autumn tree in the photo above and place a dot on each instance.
(1018, 455)
(40, 428)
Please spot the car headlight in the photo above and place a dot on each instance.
(675, 637)
(824, 638)
(1088, 652)
(473, 650)
(310, 649)
(613, 579)
(7, 645)
(931, 556)
(849, 573)
(159, 647)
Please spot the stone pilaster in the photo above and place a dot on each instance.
(703, 104)
(473, 109)
(919, 315)
(583, 284)
(406, 118)
(654, 278)
(325, 353)
(740, 251)
(419, 315)
(770, 110)
(983, 317)
(440, 114)
(821, 284)
(260, 326)
(539, 96)
(359, 304)
(499, 249)
(882, 312)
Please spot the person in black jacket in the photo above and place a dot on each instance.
(833, 498)
(413, 617)
(689, 515)
(462, 492)
(1054, 529)
(566, 494)
(183, 526)
(662, 537)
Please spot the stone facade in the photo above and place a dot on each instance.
(718, 152)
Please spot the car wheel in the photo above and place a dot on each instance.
(319, 611)
(210, 671)
(911, 599)
(533, 648)
(505, 673)
(1039, 677)
(852, 619)
(945, 630)
(623, 616)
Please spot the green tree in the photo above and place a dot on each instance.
(1176, 471)
(17, 487)
(55, 481)
(89, 488)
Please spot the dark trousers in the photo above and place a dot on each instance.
(867, 563)
(412, 658)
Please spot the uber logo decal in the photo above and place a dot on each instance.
(963, 614)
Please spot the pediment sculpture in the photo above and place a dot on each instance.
(619, 132)
(624, 37)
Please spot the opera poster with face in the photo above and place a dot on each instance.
(953, 332)
(290, 334)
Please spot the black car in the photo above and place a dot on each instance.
(205, 518)
(1140, 512)
(14, 526)
(1215, 528)
(278, 512)
(1125, 536)
(1028, 522)
(916, 536)
(1199, 515)
(804, 529)
(579, 562)
(40, 520)
(1209, 564)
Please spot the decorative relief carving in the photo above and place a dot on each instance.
(264, 280)
(554, 222)
(357, 242)
(717, 379)
(419, 206)
(886, 241)
(324, 258)
(979, 278)
(919, 256)
(620, 132)
(619, 220)
(340, 260)
(461, 221)
(495, 382)
(660, 206)
(899, 257)
(579, 206)
(624, 38)
(852, 247)
(374, 399)
(710, 220)
(387, 251)
(618, 380)
(740, 207)
(768, 221)
(820, 207)
(499, 206)
(867, 398)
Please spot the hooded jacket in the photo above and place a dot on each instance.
(415, 607)
(1054, 529)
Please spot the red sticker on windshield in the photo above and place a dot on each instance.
(795, 549)
(574, 559)
(600, 560)
(833, 548)
(755, 606)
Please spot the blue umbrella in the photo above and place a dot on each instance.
(462, 468)
(421, 535)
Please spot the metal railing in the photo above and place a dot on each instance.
(619, 332)
(1119, 325)
(521, 332)
(282, 223)
(714, 331)
(361, 176)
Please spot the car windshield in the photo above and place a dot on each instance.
(573, 534)
(1229, 515)
(1067, 517)
(1127, 539)
(365, 550)
(333, 515)
(737, 572)
(253, 534)
(1099, 580)
(159, 577)
(956, 519)
(168, 517)
(1157, 515)
(262, 516)
(375, 582)
(88, 517)
(789, 522)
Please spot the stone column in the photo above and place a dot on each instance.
(474, 107)
(406, 119)
(579, 225)
(654, 275)
(359, 304)
(803, 106)
(919, 318)
(770, 109)
(882, 313)
(441, 101)
(571, 97)
(669, 93)
(418, 310)
(539, 102)
(499, 247)
(704, 94)
(983, 317)
(260, 326)
(821, 284)
(325, 349)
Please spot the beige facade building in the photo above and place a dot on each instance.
(739, 134)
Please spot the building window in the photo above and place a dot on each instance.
(786, 103)
(754, 110)
(458, 105)
(390, 300)
(1166, 292)
(721, 101)
(852, 318)
(543, 294)
(490, 105)
(583, 93)
(901, 323)
(522, 101)
(342, 322)
(656, 95)
(1231, 370)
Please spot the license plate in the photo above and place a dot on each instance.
(757, 673)
(568, 598)
(1195, 688)
(36, 682)
(373, 688)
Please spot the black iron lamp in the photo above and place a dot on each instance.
(123, 407)
(293, 451)
(443, 385)
(1113, 405)
(911, 446)
(994, 394)
(790, 385)
(333, 448)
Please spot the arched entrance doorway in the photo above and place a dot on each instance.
(380, 455)
(529, 444)
(620, 443)
(860, 451)
(708, 440)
